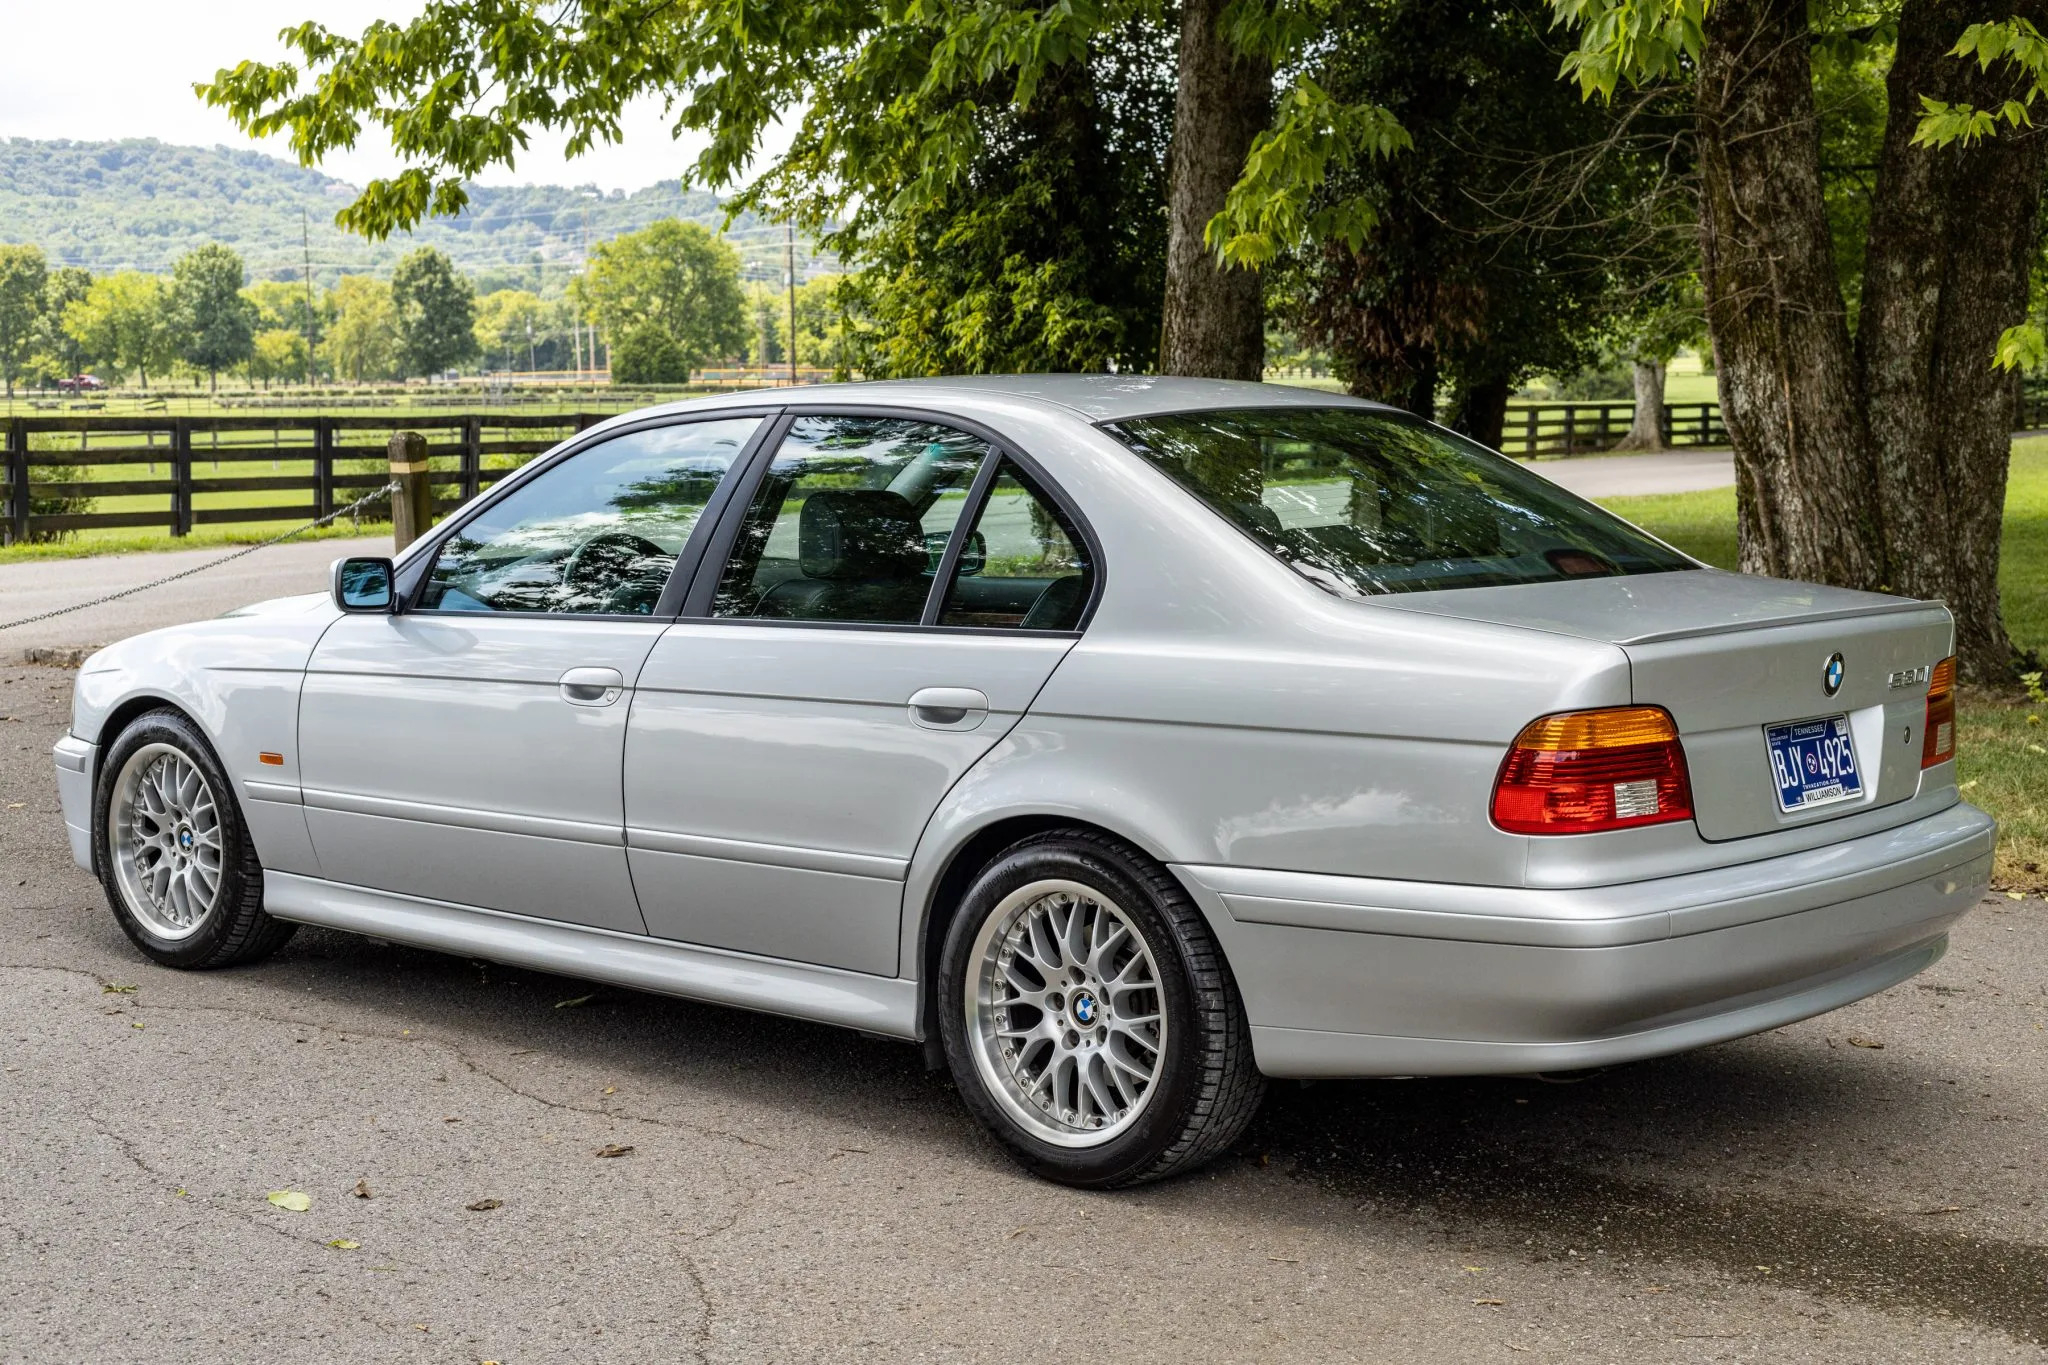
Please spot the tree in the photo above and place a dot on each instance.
(23, 277)
(436, 310)
(1873, 457)
(279, 353)
(216, 325)
(645, 354)
(1509, 236)
(126, 320)
(362, 341)
(57, 353)
(875, 91)
(510, 324)
(671, 276)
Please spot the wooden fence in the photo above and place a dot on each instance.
(1584, 428)
(183, 472)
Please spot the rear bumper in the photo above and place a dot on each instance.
(1352, 976)
(74, 758)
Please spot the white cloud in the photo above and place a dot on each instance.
(125, 68)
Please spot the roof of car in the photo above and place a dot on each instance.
(1097, 397)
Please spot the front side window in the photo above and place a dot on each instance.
(1366, 502)
(850, 522)
(1022, 567)
(596, 534)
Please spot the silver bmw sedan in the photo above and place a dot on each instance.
(1123, 741)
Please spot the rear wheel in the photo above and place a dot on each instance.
(1089, 1017)
(179, 869)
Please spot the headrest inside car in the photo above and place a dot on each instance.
(859, 533)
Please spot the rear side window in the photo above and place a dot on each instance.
(1365, 502)
(1022, 567)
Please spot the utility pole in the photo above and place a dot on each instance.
(531, 368)
(306, 246)
(789, 263)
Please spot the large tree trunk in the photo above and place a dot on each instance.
(1804, 479)
(1952, 234)
(1646, 424)
(1214, 323)
(1482, 411)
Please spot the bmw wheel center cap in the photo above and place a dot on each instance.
(1086, 1009)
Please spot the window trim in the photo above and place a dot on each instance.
(704, 585)
(419, 567)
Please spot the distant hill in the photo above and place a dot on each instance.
(138, 204)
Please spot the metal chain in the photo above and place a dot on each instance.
(386, 491)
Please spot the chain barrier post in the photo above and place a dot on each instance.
(412, 508)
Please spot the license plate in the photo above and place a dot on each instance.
(1814, 762)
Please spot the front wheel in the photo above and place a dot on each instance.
(168, 841)
(1089, 1017)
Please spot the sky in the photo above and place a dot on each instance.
(125, 68)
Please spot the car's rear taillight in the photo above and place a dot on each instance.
(1585, 771)
(1939, 743)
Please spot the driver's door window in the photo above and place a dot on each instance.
(596, 535)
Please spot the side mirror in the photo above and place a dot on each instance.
(364, 585)
(973, 555)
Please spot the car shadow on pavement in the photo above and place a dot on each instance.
(1754, 1159)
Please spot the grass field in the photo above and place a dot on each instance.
(2003, 743)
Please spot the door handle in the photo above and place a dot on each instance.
(592, 686)
(948, 708)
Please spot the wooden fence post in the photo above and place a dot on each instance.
(472, 457)
(16, 526)
(323, 466)
(412, 506)
(181, 476)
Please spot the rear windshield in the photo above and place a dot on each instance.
(1370, 502)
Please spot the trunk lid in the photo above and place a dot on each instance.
(1733, 657)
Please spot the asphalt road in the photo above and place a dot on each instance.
(797, 1193)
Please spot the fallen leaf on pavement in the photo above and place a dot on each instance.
(611, 1090)
(1489, 1303)
(291, 1199)
(613, 1149)
(485, 1205)
(1872, 1043)
(572, 1004)
(362, 1189)
(1945, 1208)
(116, 988)
(344, 1244)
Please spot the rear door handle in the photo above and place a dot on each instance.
(592, 686)
(948, 708)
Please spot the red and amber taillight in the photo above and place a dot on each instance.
(1938, 745)
(1586, 771)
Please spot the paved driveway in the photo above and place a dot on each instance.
(34, 586)
(798, 1193)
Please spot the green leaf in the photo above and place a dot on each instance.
(2024, 347)
(344, 1244)
(293, 1200)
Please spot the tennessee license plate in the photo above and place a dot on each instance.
(1814, 762)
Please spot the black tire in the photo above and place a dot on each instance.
(236, 929)
(1207, 1088)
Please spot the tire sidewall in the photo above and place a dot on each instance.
(176, 730)
(1129, 1154)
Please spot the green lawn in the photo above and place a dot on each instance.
(2003, 745)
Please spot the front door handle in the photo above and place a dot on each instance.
(948, 708)
(592, 686)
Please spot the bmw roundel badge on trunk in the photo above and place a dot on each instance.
(1831, 676)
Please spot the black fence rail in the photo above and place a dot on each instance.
(1584, 428)
(79, 473)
